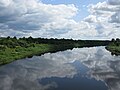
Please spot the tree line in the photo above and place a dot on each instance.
(12, 42)
(115, 42)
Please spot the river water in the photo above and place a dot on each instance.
(77, 69)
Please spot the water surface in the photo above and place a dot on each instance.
(78, 69)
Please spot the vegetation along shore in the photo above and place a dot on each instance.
(114, 47)
(12, 48)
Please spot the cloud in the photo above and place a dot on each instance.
(114, 2)
(38, 19)
(34, 18)
(90, 19)
(106, 18)
(29, 16)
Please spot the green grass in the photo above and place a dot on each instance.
(113, 49)
(11, 54)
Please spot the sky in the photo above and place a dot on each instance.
(80, 4)
(76, 19)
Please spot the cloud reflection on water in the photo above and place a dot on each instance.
(24, 74)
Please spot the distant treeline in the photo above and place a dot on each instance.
(13, 42)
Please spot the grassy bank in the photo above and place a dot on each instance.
(115, 50)
(13, 49)
(114, 47)
(11, 54)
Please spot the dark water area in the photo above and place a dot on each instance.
(77, 69)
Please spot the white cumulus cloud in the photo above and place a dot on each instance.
(34, 18)
(105, 16)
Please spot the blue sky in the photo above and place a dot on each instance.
(60, 18)
(81, 4)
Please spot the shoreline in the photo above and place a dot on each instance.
(10, 55)
(115, 50)
(12, 49)
(13, 54)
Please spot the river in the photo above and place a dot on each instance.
(91, 68)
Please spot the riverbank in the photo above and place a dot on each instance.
(12, 49)
(114, 46)
(11, 54)
(115, 50)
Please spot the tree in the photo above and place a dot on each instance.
(15, 37)
(8, 37)
(113, 40)
(117, 40)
